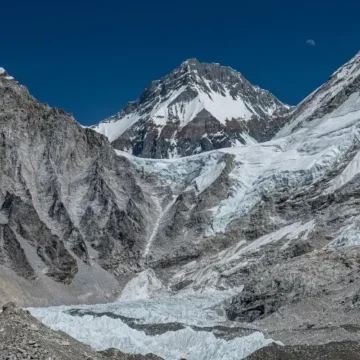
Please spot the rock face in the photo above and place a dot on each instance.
(198, 107)
(69, 207)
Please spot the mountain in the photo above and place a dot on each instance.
(342, 85)
(196, 108)
(220, 252)
(276, 222)
(72, 218)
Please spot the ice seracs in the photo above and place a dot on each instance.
(104, 326)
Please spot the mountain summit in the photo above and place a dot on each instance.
(197, 107)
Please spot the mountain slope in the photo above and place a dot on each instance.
(196, 108)
(71, 211)
(340, 87)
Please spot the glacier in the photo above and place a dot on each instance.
(103, 326)
(291, 161)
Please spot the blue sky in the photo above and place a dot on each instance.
(92, 57)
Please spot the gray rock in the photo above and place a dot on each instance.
(67, 201)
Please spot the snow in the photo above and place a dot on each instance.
(209, 273)
(221, 107)
(162, 213)
(174, 106)
(114, 127)
(104, 332)
(290, 232)
(248, 140)
(209, 173)
(350, 236)
(340, 79)
(3, 72)
(141, 287)
(291, 161)
(351, 170)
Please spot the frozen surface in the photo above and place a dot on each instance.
(350, 236)
(102, 332)
(141, 287)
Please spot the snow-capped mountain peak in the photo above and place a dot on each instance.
(169, 117)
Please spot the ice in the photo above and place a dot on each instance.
(289, 162)
(142, 287)
(210, 272)
(2, 71)
(102, 332)
(350, 236)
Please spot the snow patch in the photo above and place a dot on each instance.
(143, 286)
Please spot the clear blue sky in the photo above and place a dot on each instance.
(92, 57)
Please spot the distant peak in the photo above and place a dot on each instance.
(191, 61)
